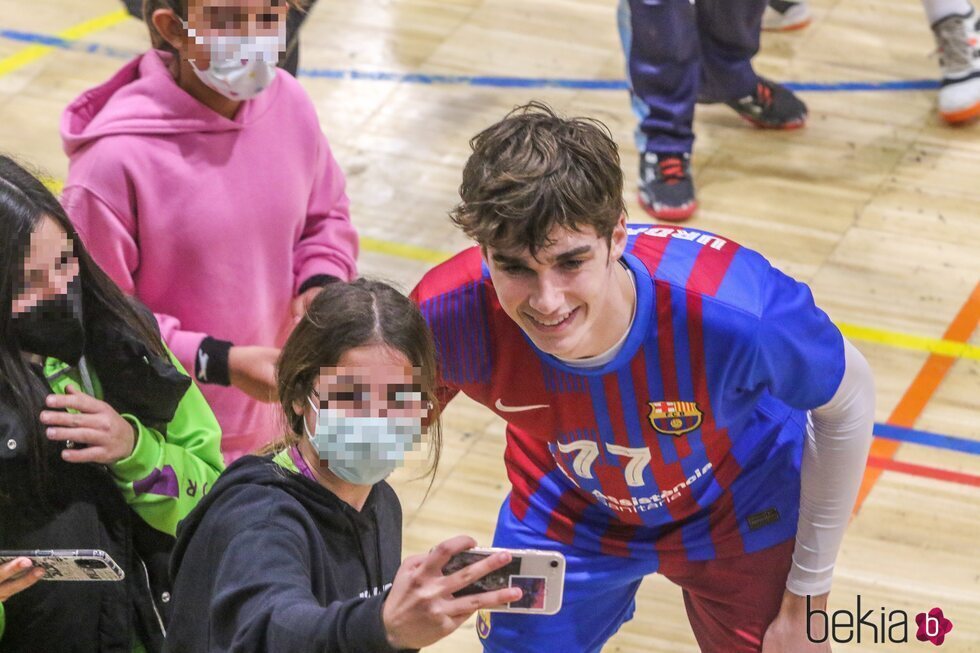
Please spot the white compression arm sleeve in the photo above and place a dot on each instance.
(834, 456)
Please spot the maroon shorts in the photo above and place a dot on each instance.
(731, 602)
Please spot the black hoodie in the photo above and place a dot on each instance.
(272, 561)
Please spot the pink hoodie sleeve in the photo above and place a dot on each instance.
(328, 244)
(109, 239)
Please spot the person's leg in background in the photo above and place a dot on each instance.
(786, 15)
(729, 32)
(640, 110)
(660, 41)
(135, 8)
(289, 60)
(956, 27)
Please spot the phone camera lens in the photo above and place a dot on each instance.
(91, 564)
(554, 563)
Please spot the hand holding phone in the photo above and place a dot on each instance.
(421, 607)
(66, 564)
(16, 576)
(539, 574)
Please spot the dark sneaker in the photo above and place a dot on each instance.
(771, 106)
(786, 15)
(666, 187)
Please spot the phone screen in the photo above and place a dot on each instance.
(495, 580)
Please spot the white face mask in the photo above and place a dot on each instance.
(363, 450)
(241, 66)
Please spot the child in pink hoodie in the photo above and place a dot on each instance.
(201, 182)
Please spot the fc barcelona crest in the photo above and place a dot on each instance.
(675, 417)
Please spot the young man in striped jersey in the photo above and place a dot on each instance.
(662, 388)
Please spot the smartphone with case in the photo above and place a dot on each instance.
(70, 564)
(539, 574)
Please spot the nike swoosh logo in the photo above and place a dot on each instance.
(517, 409)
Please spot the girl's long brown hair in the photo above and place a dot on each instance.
(344, 316)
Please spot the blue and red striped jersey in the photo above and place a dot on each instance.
(688, 443)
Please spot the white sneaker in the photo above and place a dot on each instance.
(786, 15)
(958, 41)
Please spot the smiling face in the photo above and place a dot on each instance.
(569, 299)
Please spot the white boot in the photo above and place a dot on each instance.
(958, 41)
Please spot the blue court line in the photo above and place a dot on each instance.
(67, 44)
(928, 439)
(487, 81)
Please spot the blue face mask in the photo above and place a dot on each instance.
(363, 450)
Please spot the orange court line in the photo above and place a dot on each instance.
(914, 401)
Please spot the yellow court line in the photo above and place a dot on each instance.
(897, 339)
(32, 53)
(938, 346)
(53, 185)
(368, 244)
(402, 250)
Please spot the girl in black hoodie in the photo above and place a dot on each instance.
(300, 549)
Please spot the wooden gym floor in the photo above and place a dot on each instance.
(874, 204)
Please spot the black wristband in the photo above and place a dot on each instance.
(211, 362)
(317, 281)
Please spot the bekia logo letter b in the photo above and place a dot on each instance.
(933, 626)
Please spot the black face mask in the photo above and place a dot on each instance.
(54, 326)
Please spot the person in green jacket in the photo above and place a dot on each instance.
(105, 442)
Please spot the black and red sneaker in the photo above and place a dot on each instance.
(666, 187)
(771, 106)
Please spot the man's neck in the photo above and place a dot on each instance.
(619, 309)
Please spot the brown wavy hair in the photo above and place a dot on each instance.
(535, 170)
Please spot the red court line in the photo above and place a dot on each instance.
(914, 400)
(924, 471)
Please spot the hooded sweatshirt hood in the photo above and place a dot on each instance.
(331, 514)
(265, 535)
(135, 102)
